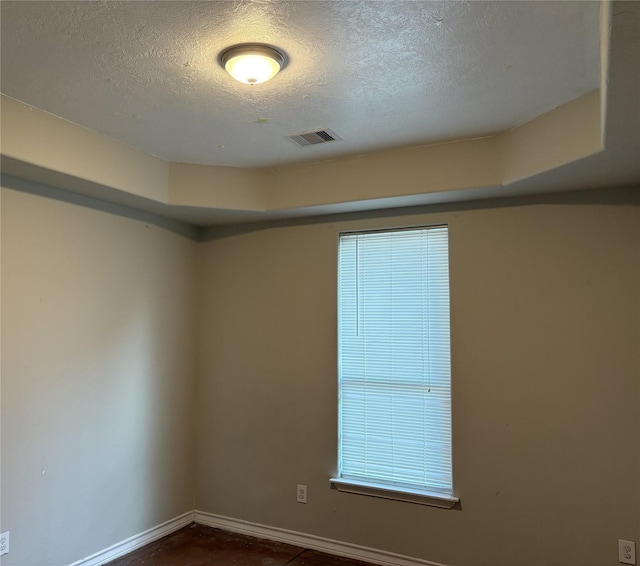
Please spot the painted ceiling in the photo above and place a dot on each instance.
(381, 74)
(435, 102)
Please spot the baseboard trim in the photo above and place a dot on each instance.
(329, 546)
(339, 548)
(137, 541)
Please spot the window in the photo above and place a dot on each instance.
(394, 365)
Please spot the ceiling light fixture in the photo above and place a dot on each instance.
(252, 63)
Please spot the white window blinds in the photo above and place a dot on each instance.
(394, 359)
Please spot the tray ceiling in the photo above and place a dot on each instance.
(379, 74)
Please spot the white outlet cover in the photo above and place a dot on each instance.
(626, 551)
(4, 543)
(302, 494)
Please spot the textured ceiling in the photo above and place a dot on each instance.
(379, 74)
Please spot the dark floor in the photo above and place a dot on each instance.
(198, 545)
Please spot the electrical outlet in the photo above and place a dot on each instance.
(4, 543)
(302, 493)
(626, 551)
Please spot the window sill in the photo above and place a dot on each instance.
(422, 497)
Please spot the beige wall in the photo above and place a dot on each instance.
(546, 387)
(102, 316)
(97, 378)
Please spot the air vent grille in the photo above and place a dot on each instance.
(314, 137)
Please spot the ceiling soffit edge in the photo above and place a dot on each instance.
(566, 134)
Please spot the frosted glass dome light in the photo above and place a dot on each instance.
(252, 63)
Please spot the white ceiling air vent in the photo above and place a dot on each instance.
(313, 137)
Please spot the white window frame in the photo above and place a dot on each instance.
(355, 480)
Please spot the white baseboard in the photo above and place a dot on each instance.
(303, 540)
(136, 541)
(329, 546)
